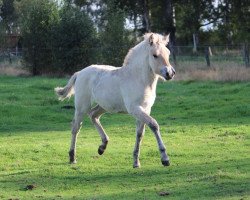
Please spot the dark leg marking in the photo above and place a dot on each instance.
(153, 127)
(102, 148)
(72, 156)
(165, 163)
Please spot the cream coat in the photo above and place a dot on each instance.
(127, 89)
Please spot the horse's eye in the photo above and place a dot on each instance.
(155, 56)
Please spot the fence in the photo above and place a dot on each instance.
(10, 54)
(212, 55)
(206, 56)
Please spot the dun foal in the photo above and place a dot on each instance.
(127, 89)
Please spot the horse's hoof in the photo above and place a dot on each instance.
(136, 166)
(72, 162)
(165, 163)
(100, 151)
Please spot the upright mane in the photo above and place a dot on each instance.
(131, 54)
(143, 44)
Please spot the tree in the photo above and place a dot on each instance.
(8, 21)
(74, 40)
(235, 21)
(37, 20)
(8, 14)
(191, 15)
(114, 38)
(146, 17)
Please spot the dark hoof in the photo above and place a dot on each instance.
(100, 151)
(136, 166)
(72, 159)
(72, 162)
(165, 162)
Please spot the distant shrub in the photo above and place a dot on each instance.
(56, 41)
(37, 20)
(73, 40)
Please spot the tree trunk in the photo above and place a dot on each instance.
(146, 18)
(169, 20)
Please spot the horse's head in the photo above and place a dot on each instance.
(159, 56)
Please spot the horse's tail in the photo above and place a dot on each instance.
(68, 90)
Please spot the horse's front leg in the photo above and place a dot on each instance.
(140, 129)
(139, 113)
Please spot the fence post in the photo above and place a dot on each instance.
(172, 50)
(246, 54)
(207, 56)
(174, 58)
(34, 67)
(9, 55)
(16, 51)
(195, 43)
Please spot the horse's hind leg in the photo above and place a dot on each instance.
(95, 114)
(82, 106)
(76, 125)
(140, 129)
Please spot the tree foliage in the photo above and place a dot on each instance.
(73, 40)
(114, 38)
(38, 18)
(8, 14)
(55, 40)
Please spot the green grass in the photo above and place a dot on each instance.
(205, 125)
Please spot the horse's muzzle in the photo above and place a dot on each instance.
(168, 72)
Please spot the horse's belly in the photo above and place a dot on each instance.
(107, 94)
(111, 105)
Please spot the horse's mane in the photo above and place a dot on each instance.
(128, 57)
(157, 38)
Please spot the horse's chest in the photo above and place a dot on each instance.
(148, 99)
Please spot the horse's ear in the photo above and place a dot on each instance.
(151, 39)
(166, 39)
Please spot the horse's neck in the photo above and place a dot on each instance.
(139, 67)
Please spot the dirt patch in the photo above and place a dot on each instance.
(164, 193)
(30, 187)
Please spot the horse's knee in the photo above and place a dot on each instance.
(76, 127)
(139, 136)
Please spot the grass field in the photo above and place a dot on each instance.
(205, 125)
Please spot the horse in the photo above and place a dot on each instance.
(128, 89)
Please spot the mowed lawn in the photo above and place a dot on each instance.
(205, 126)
